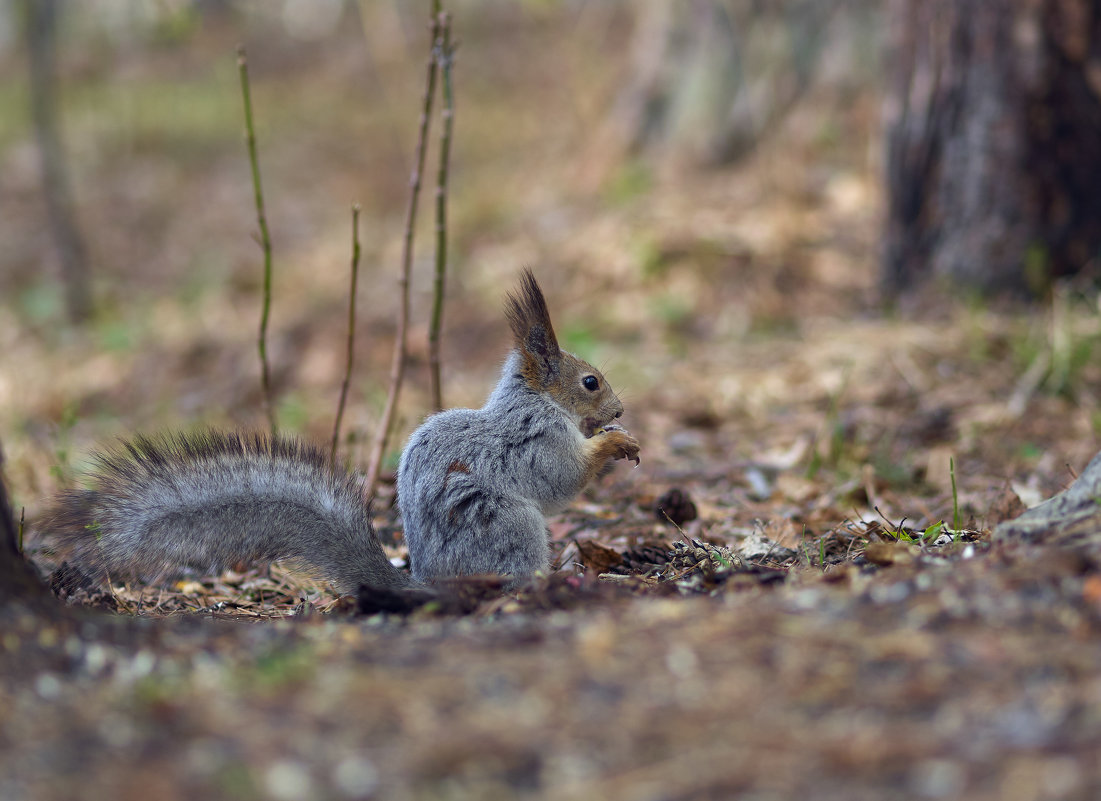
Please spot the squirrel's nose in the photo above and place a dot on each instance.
(619, 414)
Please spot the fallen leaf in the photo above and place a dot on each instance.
(784, 532)
(1007, 506)
(889, 553)
(596, 557)
(938, 471)
(1091, 590)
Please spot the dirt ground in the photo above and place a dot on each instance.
(827, 614)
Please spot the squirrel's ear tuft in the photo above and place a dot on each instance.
(529, 318)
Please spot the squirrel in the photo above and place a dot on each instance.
(473, 484)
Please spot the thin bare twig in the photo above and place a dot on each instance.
(265, 239)
(445, 59)
(351, 333)
(397, 364)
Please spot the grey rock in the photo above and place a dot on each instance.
(1071, 518)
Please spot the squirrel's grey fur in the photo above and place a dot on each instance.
(212, 500)
(473, 485)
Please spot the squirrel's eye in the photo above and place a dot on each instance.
(590, 383)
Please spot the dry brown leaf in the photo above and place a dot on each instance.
(596, 557)
(784, 532)
(797, 488)
(938, 471)
(889, 553)
(1007, 506)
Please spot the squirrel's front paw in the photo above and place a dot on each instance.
(624, 446)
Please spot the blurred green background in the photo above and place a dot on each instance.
(681, 177)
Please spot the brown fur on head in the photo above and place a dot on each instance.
(526, 310)
(573, 383)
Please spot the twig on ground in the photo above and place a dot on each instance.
(1027, 385)
(674, 524)
(351, 333)
(444, 58)
(955, 496)
(397, 365)
(264, 241)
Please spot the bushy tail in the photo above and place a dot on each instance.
(212, 500)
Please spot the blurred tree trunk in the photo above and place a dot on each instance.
(41, 26)
(993, 133)
(17, 580)
(708, 78)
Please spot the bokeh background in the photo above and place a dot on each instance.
(699, 188)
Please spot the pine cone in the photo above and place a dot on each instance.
(711, 558)
(645, 559)
(676, 506)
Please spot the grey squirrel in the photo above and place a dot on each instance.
(473, 484)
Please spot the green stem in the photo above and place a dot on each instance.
(444, 57)
(397, 362)
(955, 496)
(265, 239)
(351, 333)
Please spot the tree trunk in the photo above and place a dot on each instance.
(711, 78)
(41, 25)
(993, 125)
(17, 580)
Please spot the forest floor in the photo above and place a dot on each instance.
(827, 614)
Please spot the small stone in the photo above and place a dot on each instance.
(356, 777)
(288, 781)
(756, 547)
